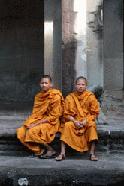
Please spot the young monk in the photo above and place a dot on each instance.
(80, 112)
(43, 123)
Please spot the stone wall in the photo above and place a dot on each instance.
(68, 46)
(21, 51)
(113, 45)
(53, 41)
(94, 37)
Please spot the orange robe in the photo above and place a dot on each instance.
(47, 105)
(80, 107)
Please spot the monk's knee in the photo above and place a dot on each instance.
(32, 132)
(21, 133)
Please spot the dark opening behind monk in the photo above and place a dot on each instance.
(80, 112)
(43, 123)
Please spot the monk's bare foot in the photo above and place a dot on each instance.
(49, 154)
(42, 151)
(60, 157)
(93, 157)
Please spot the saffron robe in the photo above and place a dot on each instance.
(80, 106)
(47, 105)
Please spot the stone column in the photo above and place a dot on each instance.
(68, 46)
(94, 43)
(52, 41)
(48, 37)
(113, 45)
(80, 36)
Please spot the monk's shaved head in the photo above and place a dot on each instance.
(80, 77)
(47, 76)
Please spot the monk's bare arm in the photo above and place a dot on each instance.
(77, 123)
(38, 123)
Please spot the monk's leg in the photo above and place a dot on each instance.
(92, 138)
(93, 157)
(92, 147)
(42, 134)
(50, 151)
(63, 148)
(35, 148)
(62, 153)
(39, 135)
(22, 134)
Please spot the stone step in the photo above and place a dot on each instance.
(111, 135)
(73, 171)
(107, 142)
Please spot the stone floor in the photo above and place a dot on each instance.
(109, 170)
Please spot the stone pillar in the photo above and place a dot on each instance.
(52, 41)
(57, 44)
(80, 36)
(94, 43)
(113, 45)
(48, 37)
(68, 46)
(82, 44)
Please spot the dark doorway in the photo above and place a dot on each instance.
(21, 51)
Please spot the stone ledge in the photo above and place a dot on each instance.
(109, 170)
(111, 135)
(113, 132)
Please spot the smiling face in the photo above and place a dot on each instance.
(45, 84)
(81, 85)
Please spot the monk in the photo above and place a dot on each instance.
(39, 130)
(80, 113)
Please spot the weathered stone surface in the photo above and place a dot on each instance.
(21, 51)
(109, 170)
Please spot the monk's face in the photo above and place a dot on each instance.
(81, 85)
(45, 84)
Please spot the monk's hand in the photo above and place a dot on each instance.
(71, 118)
(84, 122)
(78, 124)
